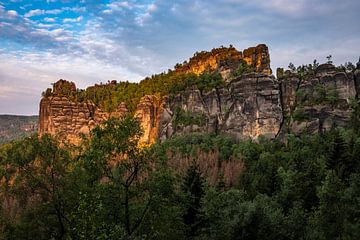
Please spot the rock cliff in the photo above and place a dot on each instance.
(319, 101)
(61, 113)
(247, 106)
(227, 59)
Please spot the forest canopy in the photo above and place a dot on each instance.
(197, 186)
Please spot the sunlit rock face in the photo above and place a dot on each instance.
(259, 58)
(226, 59)
(67, 117)
(148, 111)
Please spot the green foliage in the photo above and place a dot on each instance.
(300, 115)
(302, 71)
(355, 114)
(193, 188)
(318, 94)
(231, 216)
(332, 97)
(110, 96)
(36, 168)
(190, 144)
(329, 59)
(208, 81)
(186, 118)
(242, 69)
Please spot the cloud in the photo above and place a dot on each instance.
(107, 11)
(143, 17)
(281, 56)
(49, 20)
(25, 76)
(118, 5)
(73, 20)
(37, 12)
(74, 9)
(12, 13)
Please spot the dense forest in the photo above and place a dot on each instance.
(192, 187)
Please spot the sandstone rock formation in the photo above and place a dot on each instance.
(148, 111)
(247, 108)
(60, 114)
(224, 59)
(250, 105)
(319, 101)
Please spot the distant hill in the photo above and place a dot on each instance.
(15, 127)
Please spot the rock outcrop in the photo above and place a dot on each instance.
(248, 106)
(60, 113)
(148, 111)
(227, 59)
(318, 101)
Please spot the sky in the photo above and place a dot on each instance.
(93, 41)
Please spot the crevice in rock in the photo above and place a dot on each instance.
(282, 110)
(356, 83)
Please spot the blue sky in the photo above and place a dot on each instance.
(92, 41)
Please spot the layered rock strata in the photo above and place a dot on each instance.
(319, 101)
(249, 106)
(61, 114)
(227, 59)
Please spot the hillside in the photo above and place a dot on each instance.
(14, 127)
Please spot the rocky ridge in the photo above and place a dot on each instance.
(248, 106)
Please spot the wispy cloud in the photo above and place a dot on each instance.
(12, 13)
(37, 12)
(73, 20)
(119, 5)
(49, 20)
(143, 17)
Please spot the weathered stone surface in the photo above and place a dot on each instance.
(148, 112)
(259, 58)
(323, 100)
(357, 79)
(227, 59)
(248, 106)
(60, 115)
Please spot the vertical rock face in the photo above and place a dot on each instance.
(227, 59)
(259, 58)
(319, 101)
(59, 114)
(148, 112)
(248, 106)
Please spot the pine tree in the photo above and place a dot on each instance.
(193, 188)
